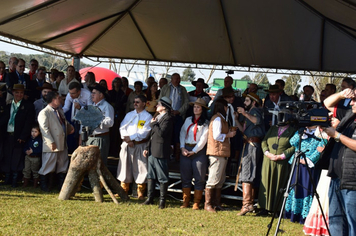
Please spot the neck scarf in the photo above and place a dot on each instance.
(16, 108)
(195, 123)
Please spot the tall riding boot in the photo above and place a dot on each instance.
(141, 191)
(163, 195)
(14, 180)
(51, 180)
(247, 200)
(61, 178)
(218, 206)
(7, 178)
(25, 182)
(44, 186)
(198, 194)
(186, 197)
(209, 199)
(151, 184)
(35, 182)
(125, 187)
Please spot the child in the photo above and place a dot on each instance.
(33, 150)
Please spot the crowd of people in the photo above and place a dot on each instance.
(148, 128)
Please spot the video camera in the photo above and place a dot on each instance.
(304, 114)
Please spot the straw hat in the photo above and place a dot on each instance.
(200, 102)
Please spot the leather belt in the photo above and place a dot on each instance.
(35, 156)
(11, 133)
(190, 144)
(98, 135)
(253, 140)
(142, 141)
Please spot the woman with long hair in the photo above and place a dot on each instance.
(218, 150)
(193, 159)
(152, 94)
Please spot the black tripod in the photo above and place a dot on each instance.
(290, 186)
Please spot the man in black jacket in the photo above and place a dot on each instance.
(342, 190)
(17, 120)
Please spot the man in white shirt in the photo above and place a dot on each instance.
(100, 136)
(134, 131)
(78, 97)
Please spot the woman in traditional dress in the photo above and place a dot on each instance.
(300, 197)
(275, 168)
(193, 159)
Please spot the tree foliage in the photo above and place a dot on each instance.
(188, 75)
(261, 79)
(246, 77)
(46, 60)
(292, 84)
(319, 83)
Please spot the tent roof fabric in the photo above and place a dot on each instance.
(290, 34)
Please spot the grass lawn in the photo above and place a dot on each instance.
(29, 211)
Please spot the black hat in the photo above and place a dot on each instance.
(99, 88)
(202, 81)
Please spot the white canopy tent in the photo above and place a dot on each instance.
(290, 34)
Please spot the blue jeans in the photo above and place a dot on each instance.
(342, 210)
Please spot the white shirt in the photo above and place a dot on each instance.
(63, 86)
(108, 112)
(136, 125)
(201, 137)
(217, 135)
(83, 99)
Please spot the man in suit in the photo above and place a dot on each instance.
(180, 103)
(17, 120)
(20, 77)
(158, 151)
(54, 128)
(134, 131)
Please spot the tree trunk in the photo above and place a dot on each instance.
(87, 160)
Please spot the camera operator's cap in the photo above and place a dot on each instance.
(274, 89)
(166, 102)
(228, 91)
(200, 102)
(202, 81)
(254, 97)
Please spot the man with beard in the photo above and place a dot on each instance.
(41, 103)
(253, 129)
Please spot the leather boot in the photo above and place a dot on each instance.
(140, 191)
(198, 194)
(209, 199)
(25, 182)
(247, 200)
(51, 180)
(218, 206)
(125, 187)
(186, 197)
(7, 179)
(163, 195)
(35, 182)
(151, 184)
(61, 178)
(44, 186)
(14, 180)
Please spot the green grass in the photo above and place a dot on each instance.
(32, 212)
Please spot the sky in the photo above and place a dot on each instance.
(199, 73)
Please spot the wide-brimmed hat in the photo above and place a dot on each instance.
(274, 89)
(99, 88)
(253, 97)
(19, 87)
(200, 102)
(228, 91)
(200, 80)
(46, 85)
(166, 102)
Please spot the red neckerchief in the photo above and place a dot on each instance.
(31, 75)
(195, 123)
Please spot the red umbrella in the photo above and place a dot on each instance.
(100, 73)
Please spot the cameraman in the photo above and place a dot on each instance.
(342, 190)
